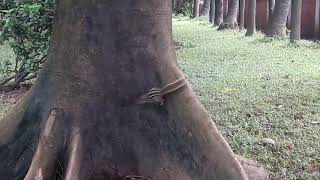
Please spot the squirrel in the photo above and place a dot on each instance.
(155, 95)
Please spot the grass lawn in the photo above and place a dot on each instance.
(257, 88)
(254, 88)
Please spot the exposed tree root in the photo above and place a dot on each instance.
(73, 168)
(51, 142)
(253, 170)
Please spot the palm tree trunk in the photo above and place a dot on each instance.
(196, 4)
(212, 11)
(277, 24)
(251, 29)
(295, 20)
(242, 13)
(317, 20)
(205, 8)
(271, 4)
(218, 19)
(233, 9)
(230, 21)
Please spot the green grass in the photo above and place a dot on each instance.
(257, 88)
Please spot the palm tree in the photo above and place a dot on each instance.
(205, 8)
(277, 23)
(218, 18)
(196, 4)
(271, 4)
(242, 14)
(295, 20)
(230, 21)
(212, 11)
(251, 18)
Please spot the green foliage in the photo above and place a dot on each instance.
(26, 26)
(257, 88)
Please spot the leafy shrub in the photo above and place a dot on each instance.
(26, 26)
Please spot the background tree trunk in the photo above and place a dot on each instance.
(205, 8)
(88, 115)
(230, 20)
(277, 24)
(196, 4)
(295, 20)
(289, 16)
(271, 4)
(212, 11)
(218, 18)
(251, 29)
(242, 13)
(317, 20)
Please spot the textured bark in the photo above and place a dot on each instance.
(196, 4)
(251, 29)
(271, 4)
(242, 13)
(81, 120)
(212, 11)
(277, 24)
(295, 20)
(205, 8)
(218, 18)
(230, 21)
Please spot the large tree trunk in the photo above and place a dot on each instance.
(95, 111)
(251, 29)
(230, 20)
(196, 4)
(218, 18)
(271, 4)
(277, 24)
(295, 20)
(205, 8)
(242, 13)
(212, 11)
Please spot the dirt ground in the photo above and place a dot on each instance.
(9, 99)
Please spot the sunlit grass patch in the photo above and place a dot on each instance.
(257, 87)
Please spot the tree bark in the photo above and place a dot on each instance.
(242, 13)
(95, 111)
(271, 4)
(277, 24)
(196, 4)
(230, 20)
(212, 11)
(205, 8)
(218, 19)
(251, 29)
(295, 20)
